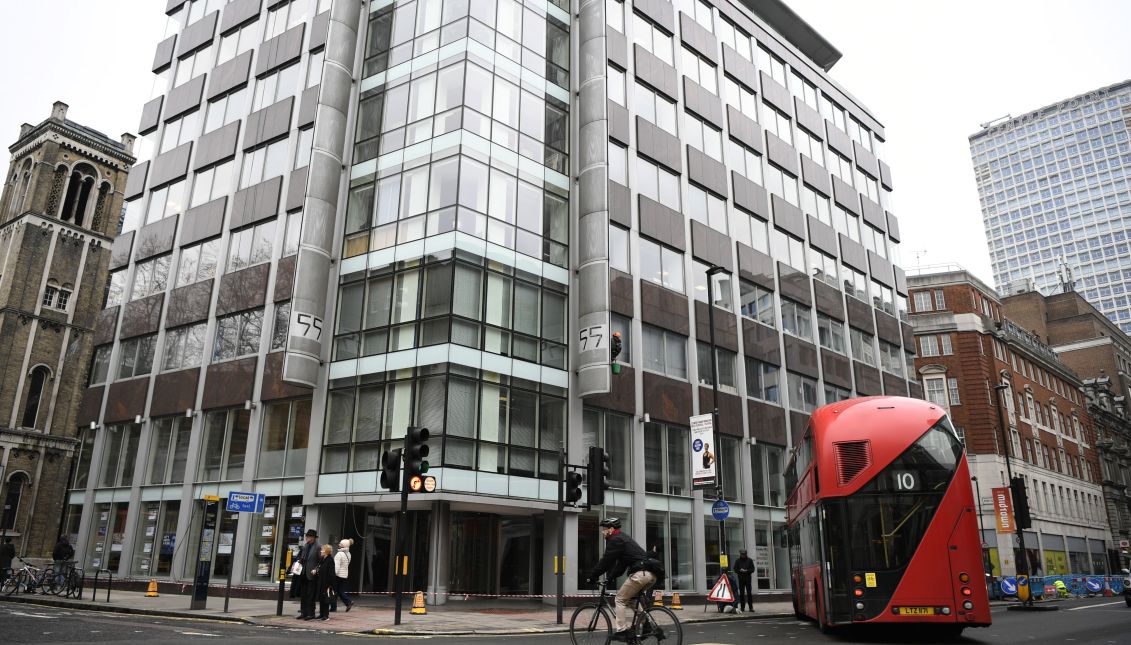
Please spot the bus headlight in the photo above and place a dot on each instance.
(967, 605)
(860, 605)
(946, 611)
(964, 578)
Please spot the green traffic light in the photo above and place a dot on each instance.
(423, 467)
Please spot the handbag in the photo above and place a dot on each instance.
(296, 568)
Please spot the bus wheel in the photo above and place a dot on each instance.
(821, 624)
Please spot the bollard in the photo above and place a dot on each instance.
(676, 604)
(109, 583)
(658, 601)
(418, 604)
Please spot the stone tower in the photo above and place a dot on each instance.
(59, 213)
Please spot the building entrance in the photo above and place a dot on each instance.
(495, 554)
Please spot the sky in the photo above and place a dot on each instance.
(930, 72)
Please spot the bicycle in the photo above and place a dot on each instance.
(27, 578)
(592, 622)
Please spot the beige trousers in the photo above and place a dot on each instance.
(631, 588)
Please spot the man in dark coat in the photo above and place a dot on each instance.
(7, 553)
(744, 567)
(308, 555)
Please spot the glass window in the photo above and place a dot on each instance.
(150, 277)
(661, 265)
(276, 86)
(224, 446)
(100, 364)
(699, 70)
(167, 201)
(184, 346)
(651, 38)
(802, 392)
(757, 303)
(666, 453)
(237, 335)
(862, 346)
(664, 352)
(250, 246)
(762, 380)
(720, 286)
(796, 319)
(623, 326)
(213, 182)
(831, 333)
(726, 362)
(618, 163)
(135, 356)
(198, 262)
(227, 109)
(264, 163)
(283, 443)
(168, 450)
(619, 248)
(615, 82)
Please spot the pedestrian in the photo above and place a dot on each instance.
(7, 552)
(63, 555)
(304, 571)
(624, 555)
(342, 561)
(324, 578)
(744, 567)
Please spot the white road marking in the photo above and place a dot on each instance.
(1102, 604)
(197, 634)
(24, 613)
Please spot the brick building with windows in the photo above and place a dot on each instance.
(967, 346)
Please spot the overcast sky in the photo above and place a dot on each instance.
(930, 72)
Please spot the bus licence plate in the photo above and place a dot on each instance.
(916, 611)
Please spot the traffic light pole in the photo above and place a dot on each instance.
(711, 272)
(401, 566)
(1023, 566)
(559, 560)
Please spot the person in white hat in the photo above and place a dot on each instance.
(341, 574)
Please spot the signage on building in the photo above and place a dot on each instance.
(1003, 510)
(245, 502)
(702, 452)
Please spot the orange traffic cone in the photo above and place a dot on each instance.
(658, 600)
(418, 604)
(152, 591)
(676, 604)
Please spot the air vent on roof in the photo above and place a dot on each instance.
(852, 458)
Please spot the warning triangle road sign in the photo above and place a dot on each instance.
(721, 592)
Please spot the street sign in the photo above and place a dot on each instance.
(245, 502)
(1123, 544)
(429, 484)
(1009, 586)
(702, 455)
(720, 510)
(1094, 585)
(721, 592)
(1023, 588)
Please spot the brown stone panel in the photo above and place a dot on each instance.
(710, 246)
(755, 266)
(760, 342)
(837, 368)
(284, 278)
(829, 300)
(106, 326)
(867, 380)
(90, 405)
(726, 327)
(908, 333)
(156, 238)
(620, 204)
(730, 411)
(174, 392)
(622, 394)
(189, 304)
(801, 357)
(795, 284)
(860, 315)
(120, 252)
(273, 386)
(887, 328)
(664, 308)
(142, 316)
(894, 385)
(229, 383)
(797, 423)
(661, 223)
(667, 399)
(767, 422)
(126, 400)
(243, 289)
(620, 293)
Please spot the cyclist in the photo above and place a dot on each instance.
(624, 555)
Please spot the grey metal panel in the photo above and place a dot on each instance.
(776, 95)
(658, 145)
(893, 226)
(800, 356)
(617, 45)
(885, 175)
(173, 5)
(620, 204)
(171, 165)
(237, 12)
(661, 223)
(853, 253)
(711, 246)
(900, 281)
(828, 299)
(781, 154)
(755, 266)
(809, 118)
(296, 188)
(269, 123)
(184, 98)
(163, 56)
(660, 12)
(822, 236)
(150, 116)
(204, 221)
(280, 50)
(837, 140)
(872, 212)
(198, 34)
(881, 269)
(120, 252)
(698, 38)
(308, 107)
(155, 239)
(217, 145)
(745, 130)
(741, 69)
(703, 102)
(656, 72)
(794, 284)
(319, 29)
(256, 203)
(230, 75)
(846, 196)
(887, 328)
(707, 172)
(816, 176)
(749, 196)
(866, 160)
(135, 182)
(860, 315)
(620, 123)
(788, 217)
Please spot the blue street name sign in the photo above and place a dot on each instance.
(245, 502)
(720, 510)
(1009, 586)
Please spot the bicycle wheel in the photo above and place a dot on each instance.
(48, 582)
(8, 586)
(658, 625)
(590, 625)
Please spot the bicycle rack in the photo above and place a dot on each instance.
(109, 583)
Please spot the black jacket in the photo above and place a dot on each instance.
(63, 551)
(622, 554)
(325, 573)
(7, 552)
(309, 559)
(744, 567)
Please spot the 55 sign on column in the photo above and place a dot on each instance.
(306, 325)
(593, 337)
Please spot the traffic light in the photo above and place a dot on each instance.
(416, 452)
(614, 350)
(391, 470)
(573, 487)
(599, 473)
(1020, 503)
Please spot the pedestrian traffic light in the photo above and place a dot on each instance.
(416, 452)
(391, 470)
(573, 487)
(614, 351)
(1020, 503)
(599, 474)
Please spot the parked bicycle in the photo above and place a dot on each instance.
(592, 622)
(27, 578)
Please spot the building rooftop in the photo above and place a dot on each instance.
(1008, 123)
(122, 146)
(794, 29)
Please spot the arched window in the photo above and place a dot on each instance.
(100, 205)
(13, 492)
(36, 383)
(78, 194)
(21, 196)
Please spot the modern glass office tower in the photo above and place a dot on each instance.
(354, 217)
(1053, 185)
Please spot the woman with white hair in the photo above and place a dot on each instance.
(341, 574)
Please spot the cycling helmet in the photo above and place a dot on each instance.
(610, 523)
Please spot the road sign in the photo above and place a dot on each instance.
(429, 484)
(245, 502)
(1094, 585)
(721, 592)
(415, 483)
(720, 510)
(1123, 544)
(1023, 588)
(1009, 586)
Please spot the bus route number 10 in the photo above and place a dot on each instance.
(905, 480)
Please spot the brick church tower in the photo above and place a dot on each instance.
(59, 213)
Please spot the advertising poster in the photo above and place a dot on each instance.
(702, 452)
(1003, 509)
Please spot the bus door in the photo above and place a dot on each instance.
(835, 567)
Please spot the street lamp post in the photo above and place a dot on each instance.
(1023, 566)
(711, 273)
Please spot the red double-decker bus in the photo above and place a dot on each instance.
(881, 522)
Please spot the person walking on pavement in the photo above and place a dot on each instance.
(7, 553)
(744, 567)
(341, 575)
(63, 554)
(304, 571)
(324, 579)
(624, 555)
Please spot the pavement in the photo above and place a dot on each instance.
(371, 615)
